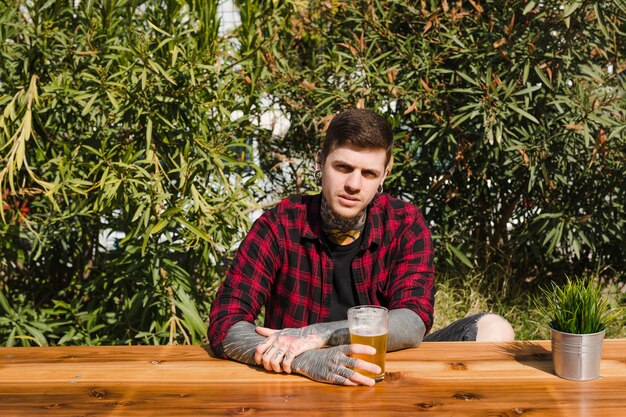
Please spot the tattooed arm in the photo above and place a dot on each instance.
(281, 347)
(335, 366)
(241, 341)
(406, 329)
(332, 365)
(243, 344)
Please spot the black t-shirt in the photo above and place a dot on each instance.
(344, 293)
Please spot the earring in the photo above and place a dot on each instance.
(380, 188)
(318, 175)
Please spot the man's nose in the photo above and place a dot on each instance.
(354, 181)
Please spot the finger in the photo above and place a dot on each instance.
(362, 365)
(360, 379)
(341, 380)
(264, 331)
(277, 360)
(262, 348)
(359, 364)
(341, 377)
(272, 359)
(292, 350)
(287, 359)
(347, 376)
(360, 349)
(347, 361)
(345, 372)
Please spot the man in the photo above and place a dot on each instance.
(311, 258)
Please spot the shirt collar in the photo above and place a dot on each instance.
(313, 223)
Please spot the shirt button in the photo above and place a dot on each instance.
(328, 263)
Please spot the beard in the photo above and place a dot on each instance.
(334, 221)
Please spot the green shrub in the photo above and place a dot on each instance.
(510, 118)
(124, 172)
(126, 157)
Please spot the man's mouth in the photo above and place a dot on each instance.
(349, 200)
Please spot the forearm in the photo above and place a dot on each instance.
(332, 333)
(333, 365)
(406, 330)
(241, 341)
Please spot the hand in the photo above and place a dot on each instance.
(334, 366)
(282, 346)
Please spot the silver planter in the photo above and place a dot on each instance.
(577, 356)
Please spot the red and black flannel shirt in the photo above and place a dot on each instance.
(283, 264)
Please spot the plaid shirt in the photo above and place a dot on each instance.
(283, 264)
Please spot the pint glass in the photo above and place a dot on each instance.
(368, 325)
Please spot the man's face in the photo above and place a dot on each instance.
(350, 178)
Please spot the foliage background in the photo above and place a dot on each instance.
(133, 151)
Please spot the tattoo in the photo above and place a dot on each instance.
(326, 365)
(340, 336)
(342, 237)
(332, 365)
(340, 230)
(406, 329)
(333, 333)
(241, 341)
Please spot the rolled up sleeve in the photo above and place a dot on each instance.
(248, 282)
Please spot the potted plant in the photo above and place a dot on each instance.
(579, 315)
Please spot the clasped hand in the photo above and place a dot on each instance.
(302, 349)
(277, 352)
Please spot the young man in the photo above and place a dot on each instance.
(311, 258)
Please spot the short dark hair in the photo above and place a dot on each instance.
(361, 128)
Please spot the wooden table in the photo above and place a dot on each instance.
(438, 379)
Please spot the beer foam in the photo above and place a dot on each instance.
(368, 331)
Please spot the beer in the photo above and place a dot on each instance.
(368, 326)
(378, 342)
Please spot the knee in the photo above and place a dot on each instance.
(494, 328)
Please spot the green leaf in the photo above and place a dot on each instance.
(459, 255)
(149, 134)
(89, 104)
(522, 112)
(570, 7)
(5, 304)
(37, 335)
(543, 77)
(155, 27)
(199, 233)
(191, 317)
(113, 100)
(529, 6)
(159, 69)
(467, 78)
(159, 226)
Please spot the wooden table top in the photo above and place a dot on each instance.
(441, 379)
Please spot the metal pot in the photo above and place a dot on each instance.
(576, 356)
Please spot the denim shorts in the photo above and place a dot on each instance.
(463, 330)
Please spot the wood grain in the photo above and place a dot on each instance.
(439, 379)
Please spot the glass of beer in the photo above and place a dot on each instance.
(368, 325)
